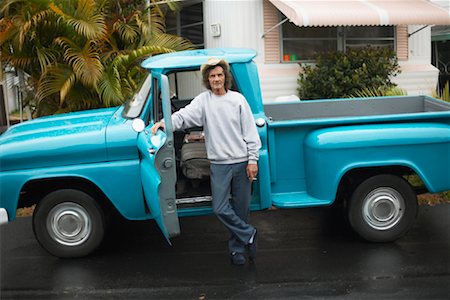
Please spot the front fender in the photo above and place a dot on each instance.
(119, 181)
(331, 152)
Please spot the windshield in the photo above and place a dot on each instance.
(133, 108)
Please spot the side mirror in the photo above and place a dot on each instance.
(138, 125)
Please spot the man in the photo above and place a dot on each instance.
(232, 144)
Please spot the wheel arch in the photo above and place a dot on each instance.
(350, 180)
(34, 190)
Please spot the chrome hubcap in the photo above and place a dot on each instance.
(383, 208)
(69, 224)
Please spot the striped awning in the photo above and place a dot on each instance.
(362, 12)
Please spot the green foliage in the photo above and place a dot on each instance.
(379, 92)
(338, 74)
(83, 54)
(427, 199)
(443, 94)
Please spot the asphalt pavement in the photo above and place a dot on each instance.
(303, 254)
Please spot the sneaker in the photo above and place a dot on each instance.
(237, 259)
(253, 246)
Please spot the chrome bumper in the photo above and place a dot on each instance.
(3, 216)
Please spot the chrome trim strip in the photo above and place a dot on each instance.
(194, 200)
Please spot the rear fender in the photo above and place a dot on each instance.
(332, 152)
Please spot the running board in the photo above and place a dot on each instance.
(193, 200)
(296, 200)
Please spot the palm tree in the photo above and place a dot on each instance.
(83, 54)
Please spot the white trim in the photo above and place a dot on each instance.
(5, 100)
(3, 216)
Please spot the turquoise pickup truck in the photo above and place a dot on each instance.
(81, 167)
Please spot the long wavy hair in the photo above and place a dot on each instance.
(226, 72)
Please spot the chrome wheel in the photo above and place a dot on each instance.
(69, 224)
(383, 208)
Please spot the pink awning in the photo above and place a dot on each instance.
(362, 12)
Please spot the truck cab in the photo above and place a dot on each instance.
(180, 157)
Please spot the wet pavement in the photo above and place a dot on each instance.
(303, 254)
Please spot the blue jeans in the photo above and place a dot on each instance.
(231, 180)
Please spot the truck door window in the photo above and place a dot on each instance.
(185, 86)
(157, 102)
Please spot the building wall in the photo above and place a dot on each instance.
(10, 85)
(418, 76)
(240, 23)
(272, 34)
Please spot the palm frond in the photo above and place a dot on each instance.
(85, 61)
(124, 61)
(57, 80)
(154, 4)
(32, 22)
(81, 97)
(156, 23)
(67, 86)
(92, 29)
(7, 7)
(7, 30)
(86, 19)
(169, 41)
(46, 57)
(108, 55)
(110, 45)
(126, 31)
(19, 59)
(444, 93)
(127, 66)
(174, 5)
(379, 92)
(109, 88)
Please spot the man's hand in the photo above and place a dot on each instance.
(252, 171)
(156, 126)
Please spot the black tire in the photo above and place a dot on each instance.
(382, 208)
(69, 223)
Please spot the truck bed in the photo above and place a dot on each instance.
(316, 109)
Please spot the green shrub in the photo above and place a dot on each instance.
(338, 74)
(443, 94)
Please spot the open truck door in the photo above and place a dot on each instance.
(158, 167)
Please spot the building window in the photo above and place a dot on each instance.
(188, 22)
(303, 44)
(373, 36)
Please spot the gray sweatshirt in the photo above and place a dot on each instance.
(230, 131)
